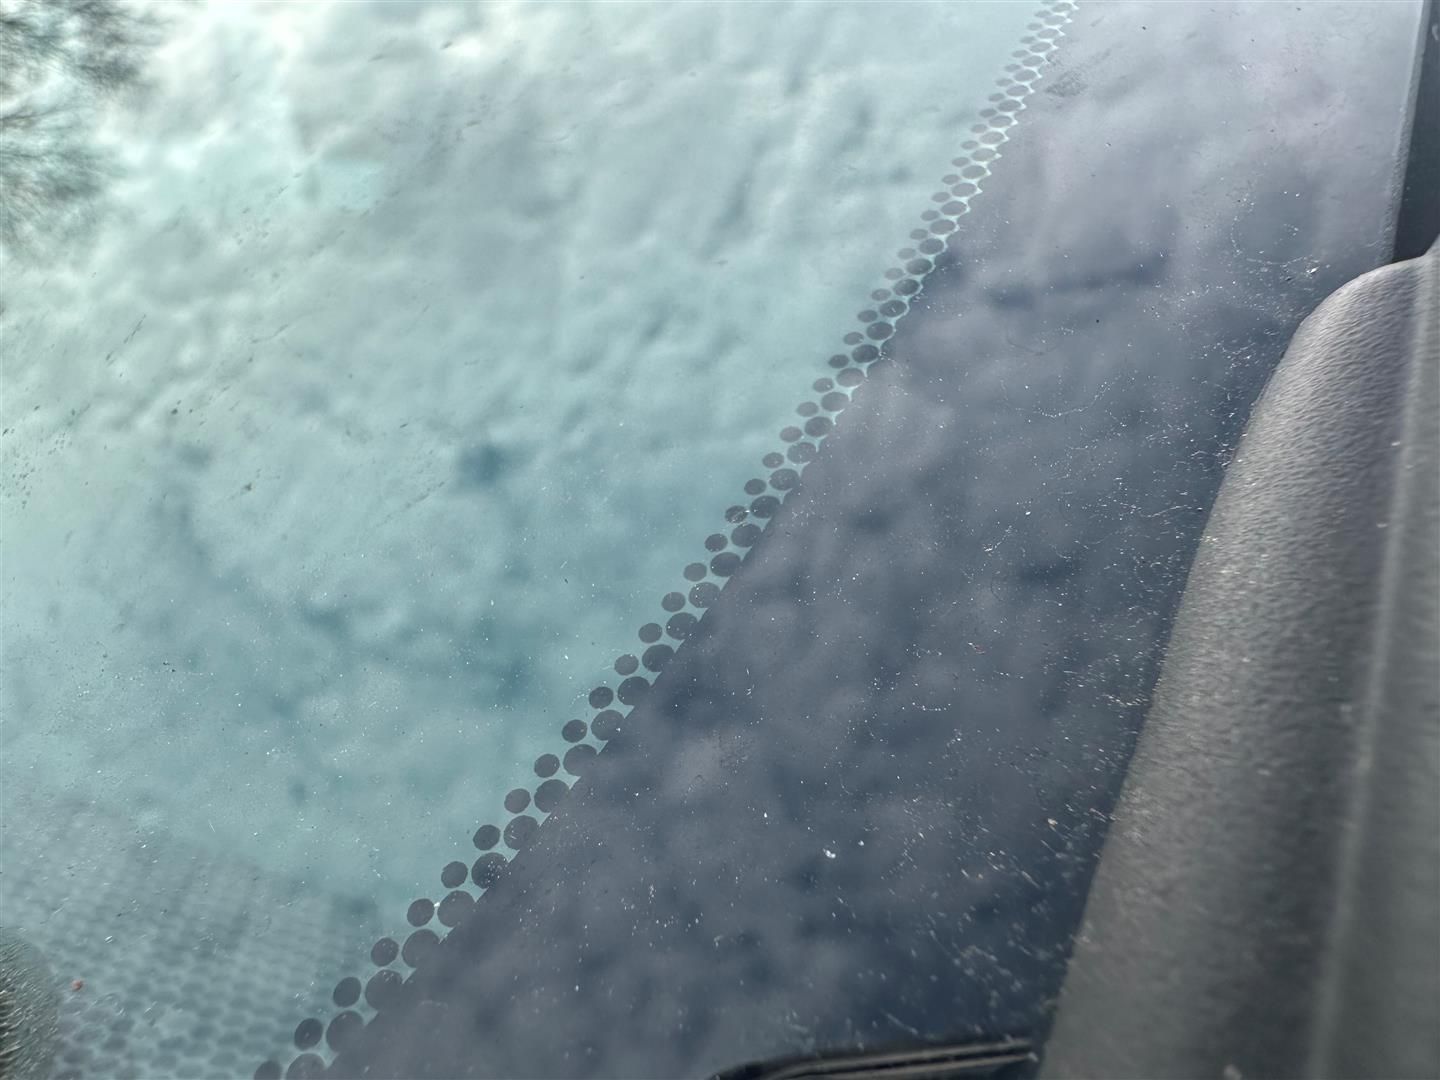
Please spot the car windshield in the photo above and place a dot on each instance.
(401, 366)
(391, 392)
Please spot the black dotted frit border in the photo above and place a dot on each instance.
(316, 1042)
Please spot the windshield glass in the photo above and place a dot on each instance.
(618, 540)
(388, 390)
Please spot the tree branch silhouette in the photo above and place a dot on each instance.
(59, 59)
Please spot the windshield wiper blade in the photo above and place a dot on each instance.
(968, 1060)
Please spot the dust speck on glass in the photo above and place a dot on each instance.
(388, 391)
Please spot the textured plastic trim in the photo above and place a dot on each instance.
(1268, 903)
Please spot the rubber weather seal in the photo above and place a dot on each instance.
(1418, 221)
